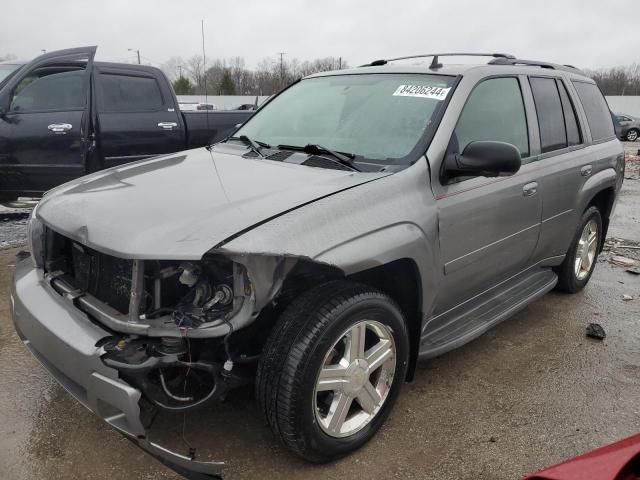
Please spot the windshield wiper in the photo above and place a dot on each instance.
(255, 145)
(342, 158)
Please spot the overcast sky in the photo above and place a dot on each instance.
(586, 33)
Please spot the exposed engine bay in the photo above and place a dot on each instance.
(184, 332)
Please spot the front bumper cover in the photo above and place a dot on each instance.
(63, 339)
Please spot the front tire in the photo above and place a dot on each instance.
(332, 369)
(576, 269)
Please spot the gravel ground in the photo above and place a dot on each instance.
(529, 393)
(13, 227)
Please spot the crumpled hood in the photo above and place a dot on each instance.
(181, 205)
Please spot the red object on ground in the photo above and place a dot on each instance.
(618, 461)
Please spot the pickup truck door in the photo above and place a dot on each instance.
(488, 227)
(44, 123)
(137, 114)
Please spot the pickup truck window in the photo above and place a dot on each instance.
(596, 109)
(124, 93)
(42, 91)
(553, 133)
(494, 111)
(381, 117)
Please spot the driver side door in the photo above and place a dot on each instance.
(488, 227)
(45, 125)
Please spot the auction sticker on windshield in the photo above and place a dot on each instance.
(421, 91)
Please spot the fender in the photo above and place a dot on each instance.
(383, 246)
(600, 181)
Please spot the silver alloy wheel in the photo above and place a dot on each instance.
(587, 250)
(359, 366)
(632, 135)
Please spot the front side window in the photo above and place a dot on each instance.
(381, 117)
(49, 89)
(596, 109)
(125, 93)
(494, 111)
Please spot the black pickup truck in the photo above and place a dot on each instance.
(63, 115)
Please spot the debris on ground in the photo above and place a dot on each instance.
(622, 261)
(627, 298)
(595, 330)
(632, 170)
(22, 254)
(634, 270)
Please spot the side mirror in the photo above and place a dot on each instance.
(484, 158)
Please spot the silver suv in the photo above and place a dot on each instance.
(360, 221)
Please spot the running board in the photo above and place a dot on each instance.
(455, 328)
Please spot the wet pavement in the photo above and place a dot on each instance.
(529, 393)
(13, 226)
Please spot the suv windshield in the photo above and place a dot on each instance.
(380, 117)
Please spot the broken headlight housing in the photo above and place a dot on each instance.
(192, 293)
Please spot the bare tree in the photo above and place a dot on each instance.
(174, 68)
(618, 80)
(6, 57)
(267, 78)
(195, 68)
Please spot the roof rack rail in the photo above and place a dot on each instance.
(434, 62)
(534, 63)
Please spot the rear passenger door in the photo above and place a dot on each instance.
(136, 116)
(488, 227)
(563, 166)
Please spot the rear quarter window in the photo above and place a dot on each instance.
(596, 109)
(127, 93)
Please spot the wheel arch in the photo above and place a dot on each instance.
(400, 280)
(600, 190)
(604, 201)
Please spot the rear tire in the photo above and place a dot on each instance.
(632, 135)
(321, 332)
(576, 269)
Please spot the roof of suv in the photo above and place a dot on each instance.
(501, 63)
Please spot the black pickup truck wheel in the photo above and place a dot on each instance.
(332, 369)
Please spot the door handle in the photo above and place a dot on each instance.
(530, 189)
(167, 125)
(586, 170)
(60, 128)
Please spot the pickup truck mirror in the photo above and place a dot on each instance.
(484, 158)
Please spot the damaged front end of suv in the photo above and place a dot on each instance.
(166, 335)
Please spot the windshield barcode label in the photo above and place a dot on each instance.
(435, 93)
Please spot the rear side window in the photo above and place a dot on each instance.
(494, 111)
(570, 117)
(123, 93)
(553, 132)
(596, 109)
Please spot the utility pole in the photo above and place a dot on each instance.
(340, 63)
(281, 68)
(137, 51)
